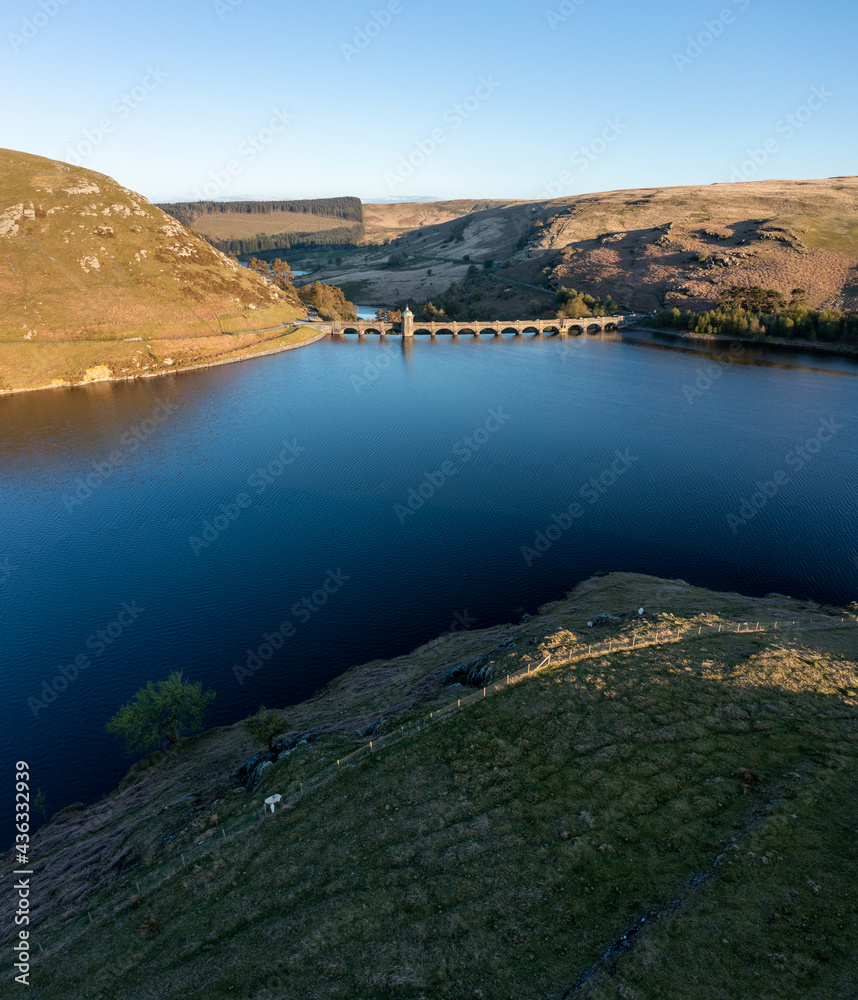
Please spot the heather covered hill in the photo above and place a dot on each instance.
(652, 248)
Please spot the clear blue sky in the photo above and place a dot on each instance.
(577, 95)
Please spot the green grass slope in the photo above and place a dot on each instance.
(672, 820)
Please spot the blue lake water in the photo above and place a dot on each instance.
(364, 494)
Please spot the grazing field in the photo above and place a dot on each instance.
(241, 225)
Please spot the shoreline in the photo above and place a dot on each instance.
(173, 371)
(801, 346)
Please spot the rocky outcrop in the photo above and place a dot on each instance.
(477, 674)
(251, 771)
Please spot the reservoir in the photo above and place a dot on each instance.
(373, 495)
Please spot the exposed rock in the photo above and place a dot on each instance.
(283, 745)
(374, 728)
(602, 620)
(257, 774)
(82, 187)
(9, 220)
(251, 770)
(477, 674)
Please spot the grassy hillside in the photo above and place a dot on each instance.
(650, 249)
(672, 820)
(388, 221)
(87, 266)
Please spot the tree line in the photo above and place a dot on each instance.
(464, 301)
(263, 243)
(332, 208)
(328, 301)
(761, 314)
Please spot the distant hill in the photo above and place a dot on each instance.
(254, 227)
(649, 248)
(87, 266)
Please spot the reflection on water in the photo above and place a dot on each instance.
(218, 502)
(742, 352)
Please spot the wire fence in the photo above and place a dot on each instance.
(137, 884)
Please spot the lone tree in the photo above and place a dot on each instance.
(161, 712)
(265, 725)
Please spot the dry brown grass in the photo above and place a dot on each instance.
(36, 366)
(243, 225)
(390, 221)
(629, 265)
(84, 259)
